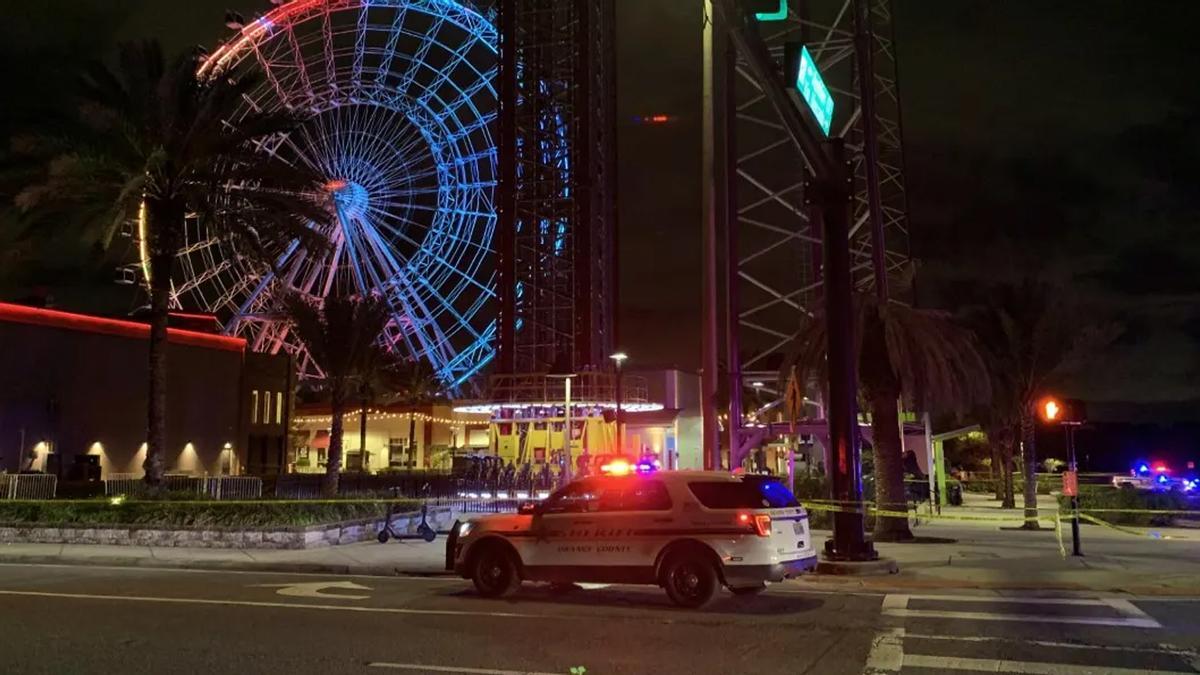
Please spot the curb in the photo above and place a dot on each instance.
(228, 566)
(892, 583)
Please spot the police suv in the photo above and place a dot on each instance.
(688, 531)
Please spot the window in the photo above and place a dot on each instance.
(254, 407)
(748, 493)
(266, 415)
(279, 407)
(398, 453)
(578, 497)
(634, 495)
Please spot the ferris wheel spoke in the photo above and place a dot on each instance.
(433, 232)
(268, 72)
(440, 261)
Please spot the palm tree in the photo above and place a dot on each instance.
(920, 356)
(1032, 335)
(415, 385)
(342, 336)
(156, 146)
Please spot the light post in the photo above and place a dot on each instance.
(565, 461)
(619, 359)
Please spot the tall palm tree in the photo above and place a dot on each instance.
(415, 385)
(156, 146)
(1032, 335)
(922, 357)
(342, 336)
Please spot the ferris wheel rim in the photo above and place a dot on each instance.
(459, 225)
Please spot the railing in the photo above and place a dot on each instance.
(233, 487)
(213, 487)
(28, 486)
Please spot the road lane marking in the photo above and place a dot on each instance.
(887, 652)
(1161, 649)
(284, 605)
(896, 605)
(942, 663)
(455, 669)
(313, 589)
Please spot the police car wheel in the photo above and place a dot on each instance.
(495, 573)
(690, 581)
(748, 590)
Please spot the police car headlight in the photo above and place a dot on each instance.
(464, 529)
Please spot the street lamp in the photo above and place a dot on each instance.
(1069, 414)
(619, 359)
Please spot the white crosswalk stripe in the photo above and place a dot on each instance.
(951, 633)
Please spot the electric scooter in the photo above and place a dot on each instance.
(424, 530)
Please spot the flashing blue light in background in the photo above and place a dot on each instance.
(1163, 480)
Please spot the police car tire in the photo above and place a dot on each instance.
(690, 580)
(495, 573)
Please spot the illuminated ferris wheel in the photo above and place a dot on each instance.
(398, 98)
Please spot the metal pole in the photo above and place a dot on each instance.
(1075, 548)
(864, 44)
(620, 428)
(566, 455)
(832, 195)
(708, 186)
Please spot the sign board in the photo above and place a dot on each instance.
(1070, 484)
(812, 89)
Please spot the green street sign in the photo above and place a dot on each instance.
(766, 13)
(812, 89)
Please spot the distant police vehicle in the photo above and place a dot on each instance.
(688, 531)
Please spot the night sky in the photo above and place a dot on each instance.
(1061, 137)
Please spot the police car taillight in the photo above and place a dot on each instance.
(760, 523)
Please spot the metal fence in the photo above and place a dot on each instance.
(213, 487)
(28, 486)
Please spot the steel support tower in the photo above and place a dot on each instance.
(556, 193)
(764, 268)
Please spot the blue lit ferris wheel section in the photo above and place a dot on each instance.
(399, 97)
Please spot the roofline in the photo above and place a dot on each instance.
(86, 323)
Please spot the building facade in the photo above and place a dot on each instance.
(74, 391)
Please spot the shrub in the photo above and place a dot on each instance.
(1131, 501)
(193, 514)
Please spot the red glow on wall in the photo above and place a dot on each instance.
(53, 318)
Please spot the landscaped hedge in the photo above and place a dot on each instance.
(194, 514)
(1129, 502)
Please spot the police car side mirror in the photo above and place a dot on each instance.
(528, 509)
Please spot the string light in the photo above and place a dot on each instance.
(378, 415)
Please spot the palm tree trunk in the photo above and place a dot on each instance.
(333, 466)
(362, 431)
(412, 439)
(997, 469)
(156, 409)
(1029, 455)
(890, 494)
(1008, 501)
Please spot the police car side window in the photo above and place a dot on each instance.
(577, 497)
(637, 496)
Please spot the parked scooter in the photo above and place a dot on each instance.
(424, 530)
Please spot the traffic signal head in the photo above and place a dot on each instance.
(1054, 410)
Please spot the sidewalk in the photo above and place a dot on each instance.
(992, 554)
(395, 558)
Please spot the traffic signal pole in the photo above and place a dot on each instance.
(829, 196)
(1074, 468)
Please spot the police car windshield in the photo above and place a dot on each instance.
(751, 492)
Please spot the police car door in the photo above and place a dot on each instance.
(562, 528)
(632, 520)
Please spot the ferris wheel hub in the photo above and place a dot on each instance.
(350, 198)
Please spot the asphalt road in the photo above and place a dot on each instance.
(62, 619)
